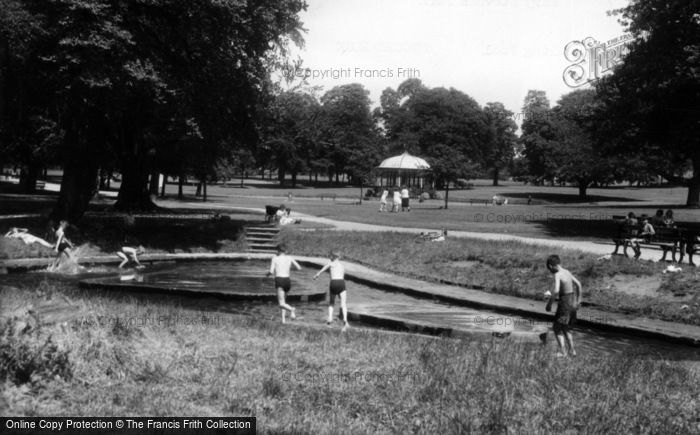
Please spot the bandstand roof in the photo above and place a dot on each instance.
(405, 162)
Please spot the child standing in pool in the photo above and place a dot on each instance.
(568, 288)
(280, 268)
(337, 287)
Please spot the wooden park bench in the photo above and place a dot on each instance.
(667, 239)
(690, 243)
(683, 240)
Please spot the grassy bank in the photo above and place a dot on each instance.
(122, 356)
(516, 269)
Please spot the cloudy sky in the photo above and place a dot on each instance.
(493, 50)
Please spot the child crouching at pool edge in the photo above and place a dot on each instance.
(336, 288)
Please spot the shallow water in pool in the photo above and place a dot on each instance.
(227, 274)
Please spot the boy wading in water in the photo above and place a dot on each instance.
(337, 287)
(568, 288)
(279, 268)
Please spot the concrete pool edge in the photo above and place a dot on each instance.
(601, 320)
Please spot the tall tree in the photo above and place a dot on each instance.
(501, 147)
(537, 136)
(347, 124)
(574, 156)
(291, 132)
(141, 81)
(444, 119)
(651, 99)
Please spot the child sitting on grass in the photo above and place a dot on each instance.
(568, 288)
(337, 287)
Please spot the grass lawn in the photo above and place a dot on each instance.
(516, 269)
(556, 218)
(555, 213)
(112, 360)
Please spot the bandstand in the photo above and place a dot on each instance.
(402, 170)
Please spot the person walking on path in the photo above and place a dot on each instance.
(382, 201)
(280, 267)
(404, 199)
(337, 287)
(568, 289)
(397, 201)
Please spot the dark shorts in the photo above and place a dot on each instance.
(283, 283)
(63, 246)
(404, 202)
(565, 317)
(337, 286)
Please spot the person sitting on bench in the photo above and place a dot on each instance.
(645, 236)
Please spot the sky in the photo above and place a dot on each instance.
(492, 50)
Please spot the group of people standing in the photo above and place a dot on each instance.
(400, 200)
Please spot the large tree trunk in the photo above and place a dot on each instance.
(693, 199)
(180, 182)
(281, 174)
(447, 193)
(153, 184)
(27, 178)
(78, 186)
(294, 178)
(582, 186)
(133, 193)
(496, 172)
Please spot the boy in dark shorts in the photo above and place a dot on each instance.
(280, 267)
(63, 245)
(568, 288)
(337, 287)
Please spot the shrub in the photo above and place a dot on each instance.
(25, 357)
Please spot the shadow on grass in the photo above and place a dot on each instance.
(275, 185)
(13, 202)
(604, 228)
(588, 228)
(565, 198)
